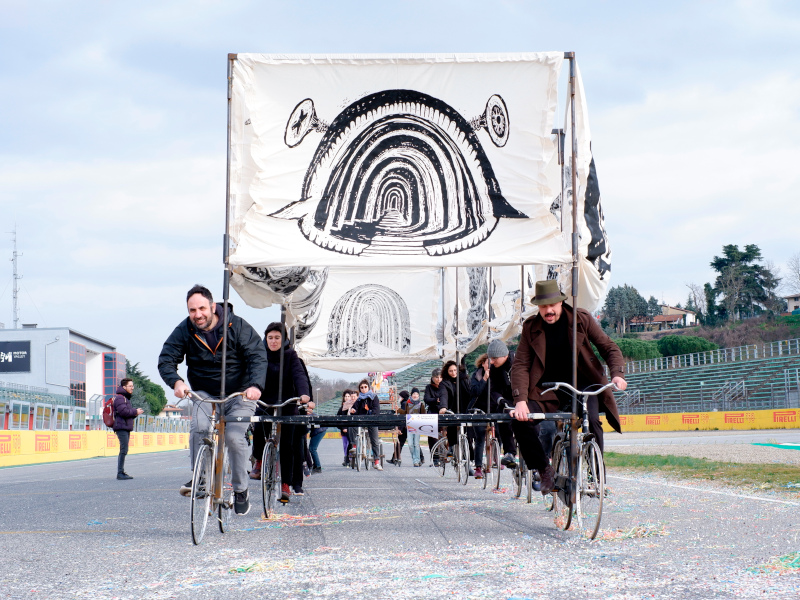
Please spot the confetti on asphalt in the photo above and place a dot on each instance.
(781, 564)
(637, 531)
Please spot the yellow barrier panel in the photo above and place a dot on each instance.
(733, 419)
(32, 447)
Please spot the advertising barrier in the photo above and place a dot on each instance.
(732, 419)
(32, 447)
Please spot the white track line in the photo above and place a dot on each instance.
(707, 491)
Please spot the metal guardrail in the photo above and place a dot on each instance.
(713, 357)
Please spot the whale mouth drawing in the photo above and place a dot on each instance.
(399, 172)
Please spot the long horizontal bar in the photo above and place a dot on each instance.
(393, 420)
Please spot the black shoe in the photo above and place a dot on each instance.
(241, 503)
(548, 480)
(509, 460)
(345, 463)
(298, 491)
(316, 470)
(186, 489)
(123, 476)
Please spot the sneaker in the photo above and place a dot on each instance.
(285, 493)
(345, 462)
(256, 472)
(123, 476)
(509, 460)
(548, 480)
(378, 466)
(241, 503)
(478, 473)
(417, 465)
(298, 490)
(316, 470)
(186, 489)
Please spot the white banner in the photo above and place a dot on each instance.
(423, 424)
(371, 320)
(410, 160)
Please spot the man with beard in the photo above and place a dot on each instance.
(198, 339)
(544, 355)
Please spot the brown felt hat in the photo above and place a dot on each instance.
(547, 292)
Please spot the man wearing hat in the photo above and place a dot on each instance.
(545, 355)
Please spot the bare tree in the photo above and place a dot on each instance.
(792, 280)
(731, 284)
(697, 297)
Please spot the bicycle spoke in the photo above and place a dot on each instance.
(591, 489)
(202, 479)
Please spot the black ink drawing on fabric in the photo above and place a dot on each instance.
(399, 172)
(369, 320)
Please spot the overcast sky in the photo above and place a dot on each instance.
(113, 132)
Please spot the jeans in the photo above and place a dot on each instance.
(413, 445)
(235, 440)
(375, 442)
(124, 438)
(316, 437)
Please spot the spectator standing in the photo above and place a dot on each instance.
(348, 400)
(124, 414)
(368, 403)
(414, 406)
(436, 402)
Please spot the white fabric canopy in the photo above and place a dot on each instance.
(381, 175)
(416, 160)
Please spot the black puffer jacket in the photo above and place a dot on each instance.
(124, 413)
(436, 398)
(246, 361)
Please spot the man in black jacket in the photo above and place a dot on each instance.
(198, 339)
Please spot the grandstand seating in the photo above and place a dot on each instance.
(700, 388)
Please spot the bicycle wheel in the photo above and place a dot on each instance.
(591, 489)
(529, 482)
(202, 477)
(562, 509)
(496, 456)
(269, 477)
(439, 455)
(359, 450)
(519, 476)
(463, 458)
(487, 462)
(225, 508)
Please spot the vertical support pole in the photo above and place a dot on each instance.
(284, 337)
(226, 279)
(574, 171)
(458, 352)
(521, 293)
(442, 310)
(489, 336)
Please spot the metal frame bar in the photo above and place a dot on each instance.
(393, 420)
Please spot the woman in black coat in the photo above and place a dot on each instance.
(436, 400)
(295, 383)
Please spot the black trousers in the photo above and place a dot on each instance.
(293, 454)
(124, 438)
(528, 434)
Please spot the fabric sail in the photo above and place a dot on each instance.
(360, 183)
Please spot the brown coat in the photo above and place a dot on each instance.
(528, 367)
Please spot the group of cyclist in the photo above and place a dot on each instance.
(271, 371)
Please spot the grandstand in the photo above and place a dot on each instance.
(747, 377)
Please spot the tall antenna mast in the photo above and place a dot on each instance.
(14, 256)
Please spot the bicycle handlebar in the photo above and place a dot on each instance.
(553, 386)
(209, 399)
(287, 402)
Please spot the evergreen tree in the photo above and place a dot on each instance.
(146, 395)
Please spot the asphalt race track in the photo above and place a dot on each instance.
(70, 530)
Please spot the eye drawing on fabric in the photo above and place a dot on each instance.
(369, 320)
(399, 172)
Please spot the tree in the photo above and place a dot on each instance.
(793, 275)
(697, 300)
(747, 287)
(146, 395)
(653, 307)
(673, 345)
(622, 304)
(712, 316)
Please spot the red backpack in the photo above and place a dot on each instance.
(108, 412)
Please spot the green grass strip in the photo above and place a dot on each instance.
(763, 476)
